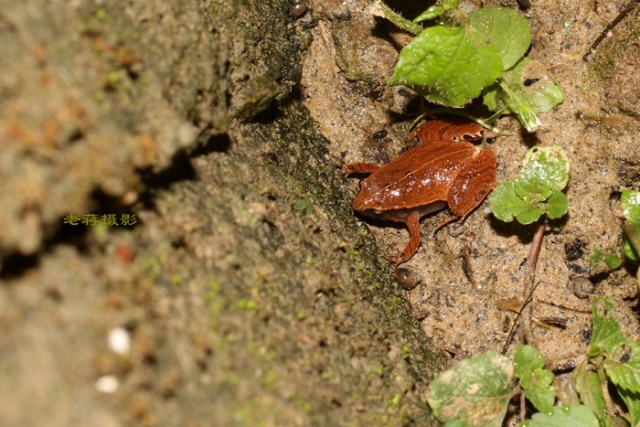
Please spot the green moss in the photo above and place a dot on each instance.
(394, 304)
(215, 304)
(351, 252)
(151, 264)
(395, 400)
(269, 380)
(304, 205)
(376, 369)
(246, 304)
(606, 55)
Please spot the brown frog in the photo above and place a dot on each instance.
(444, 170)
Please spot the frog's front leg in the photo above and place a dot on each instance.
(413, 224)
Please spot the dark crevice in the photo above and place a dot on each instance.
(214, 144)
(17, 264)
(180, 168)
(73, 229)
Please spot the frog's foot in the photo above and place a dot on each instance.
(445, 222)
(396, 260)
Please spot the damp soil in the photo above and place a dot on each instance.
(247, 290)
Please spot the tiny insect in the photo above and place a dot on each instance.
(380, 135)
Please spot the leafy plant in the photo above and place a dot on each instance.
(612, 363)
(534, 379)
(610, 260)
(463, 56)
(537, 190)
(630, 202)
(474, 392)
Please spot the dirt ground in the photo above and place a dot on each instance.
(239, 288)
(597, 125)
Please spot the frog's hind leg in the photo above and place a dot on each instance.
(413, 224)
(444, 222)
(474, 181)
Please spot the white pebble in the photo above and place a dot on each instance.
(107, 384)
(119, 340)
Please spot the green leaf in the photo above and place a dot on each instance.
(505, 203)
(629, 251)
(449, 66)
(607, 333)
(558, 205)
(537, 86)
(491, 97)
(613, 261)
(545, 98)
(539, 391)
(526, 359)
(551, 165)
(623, 366)
(595, 258)
(505, 29)
(546, 169)
(528, 365)
(632, 400)
(530, 215)
(630, 201)
(564, 416)
(525, 90)
(588, 387)
(474, 392)
(517, 102)
(544, 174)
(514, 75)
(532, 185)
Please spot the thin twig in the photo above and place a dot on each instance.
(527, 300)
(529, 277)
(624, 12)
(523, 406)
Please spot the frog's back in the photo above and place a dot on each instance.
(415, 179)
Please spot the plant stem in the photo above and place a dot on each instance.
(396, 19)
(529, 277)
(523, 406)
(521, 107)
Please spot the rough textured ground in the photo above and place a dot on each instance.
(597, 125)
(251, 294)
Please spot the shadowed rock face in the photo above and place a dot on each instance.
(161, 176)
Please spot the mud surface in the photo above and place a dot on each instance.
(243, 290)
